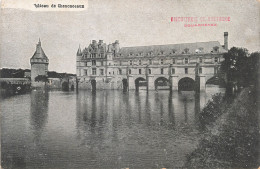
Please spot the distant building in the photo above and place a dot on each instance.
(39, 65)
(101, 66)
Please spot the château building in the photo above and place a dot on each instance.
(173, 66)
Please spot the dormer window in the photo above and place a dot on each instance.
(174, 51)
(186, 50)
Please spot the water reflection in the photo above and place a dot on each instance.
(39, 113)
(112, 129)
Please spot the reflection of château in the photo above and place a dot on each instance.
(104, 66)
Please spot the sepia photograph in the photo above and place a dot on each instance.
(129, 84)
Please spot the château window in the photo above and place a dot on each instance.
(101, 71)
(131, 62)
(186, 60)
(129, 71)
(186, 71)
(173, 70)
(120, 71)
(140, 71)
(162, 71)
(94, 71)
(200, 60)
(93, 62)
(149, 71)
(173, 61)
(86, 72)
(216, 59)
(101, 63)
(140, 62)
(200, 70)
(161, 61)
(150, 61)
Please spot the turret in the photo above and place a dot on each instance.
(116, 46)
(226, 40)
(39, 63)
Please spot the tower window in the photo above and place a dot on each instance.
(162, 71)
(140, 71)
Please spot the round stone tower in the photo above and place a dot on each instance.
(39, 64)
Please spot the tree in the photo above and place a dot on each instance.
(41, 78)
(240, 66)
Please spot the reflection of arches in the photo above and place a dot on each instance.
(215, 80)
(93, 85)
(186, 84)
(65, 86)
(125, 85)
(140, 82)
(161, 81)
(72, 87)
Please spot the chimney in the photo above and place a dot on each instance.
(226, 40)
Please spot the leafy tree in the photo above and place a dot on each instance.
(41, 78)
(240, 66)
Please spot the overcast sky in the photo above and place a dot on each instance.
(133, 23)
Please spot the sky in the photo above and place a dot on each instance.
(132, 22)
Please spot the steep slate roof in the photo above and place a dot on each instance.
(39, 53)
(168, 49)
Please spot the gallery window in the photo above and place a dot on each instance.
(149, 71)
(93, 62)
(140, 71)
(186, 71)
(101, 71)
(162, 71)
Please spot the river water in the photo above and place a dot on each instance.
(108, 129)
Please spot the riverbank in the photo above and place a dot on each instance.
(232, 140)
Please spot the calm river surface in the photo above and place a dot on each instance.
(109, 129)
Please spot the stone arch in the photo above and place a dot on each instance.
(163, 82)
(186, 84)
(140, 81)
(65, 86)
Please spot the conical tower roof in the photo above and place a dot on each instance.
(39, 53)
(79, 53)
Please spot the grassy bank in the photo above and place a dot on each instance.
(232, 142)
